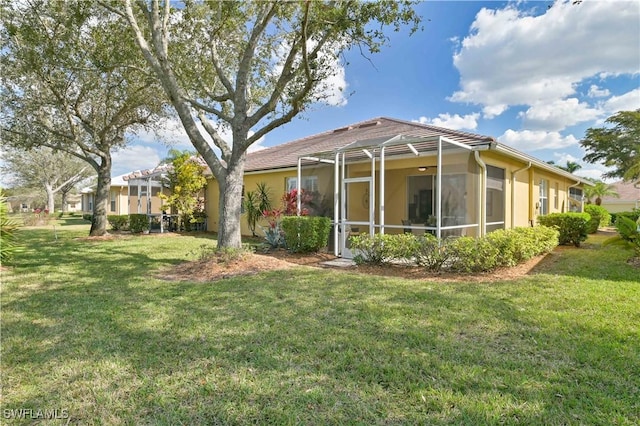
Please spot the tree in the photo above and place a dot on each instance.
(571, 166)
(617, 146)
(250, 67)
(599, 190)
(72, 82)
(54, 172)
(185, 180)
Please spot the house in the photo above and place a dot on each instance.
(136, 192)
(391, 176)
(629, 198)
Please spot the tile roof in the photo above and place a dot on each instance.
(286, 154)
(626, 190)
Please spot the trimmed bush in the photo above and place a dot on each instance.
(88, 217)
(305, 234)
(430, 254)
(571, 226)
(470, 254)
(370, 250)
(138, 223)
(118, 222)
(600, 217)
(633, 215)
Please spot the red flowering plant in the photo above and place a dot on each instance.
(273, 231)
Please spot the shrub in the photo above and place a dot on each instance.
(600, 217)
(138, 223)
(118, 222)
(430, 254)
(470, 254)
(8, 228)
(304, 234)
(88, 217)
(630, 232)
(633, 215)
(370, 249)
(571, 226)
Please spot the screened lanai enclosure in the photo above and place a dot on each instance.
(404, 184)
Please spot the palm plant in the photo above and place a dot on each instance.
(599, 190)
(255, 204)
(7, 233)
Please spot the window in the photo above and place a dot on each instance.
(113, 201)
(575, 199)
(155, 191)
(495, 198)
(544, 196)
(555, 196)
(133, 190)
(309, 183)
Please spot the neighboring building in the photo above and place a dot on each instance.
(629, 198)
(74, 203)
(128, 194)
(485, 185)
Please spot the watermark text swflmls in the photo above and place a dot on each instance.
(31, 414)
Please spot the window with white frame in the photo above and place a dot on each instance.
(113, 201)
(544, 196)
(556, 196)
(575, 199)
(308, 183)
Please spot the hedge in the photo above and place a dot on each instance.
(572, 227)
(502, 248)
(138, 223)
(305, 234)
(600, 217)
(633, 215)
(118, 222)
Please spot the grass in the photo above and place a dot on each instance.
(86, 327)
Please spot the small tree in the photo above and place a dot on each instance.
(185, 181)
(255, 203)
(599, 190)
(617, 146)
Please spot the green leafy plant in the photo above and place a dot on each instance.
(118, 222)
(305, 234)
(629, 232)
(431, 254)
(572, 227)
(255, 203)
(138, 223)
(600, 217)
(185, 180)
(8, 228)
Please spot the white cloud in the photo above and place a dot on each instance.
(514, 58)
(558, 114)
(134, 157)
(596, 92)
(533, 140)
(455, 122)
(629, 101)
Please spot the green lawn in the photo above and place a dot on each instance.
(87, 328)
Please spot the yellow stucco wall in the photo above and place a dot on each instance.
(521, 189)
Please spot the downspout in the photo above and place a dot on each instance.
(513, 192)
(568, 190)
(482, 223)
(336, 204)
(532, 204)
(382, 183)
(298, 179)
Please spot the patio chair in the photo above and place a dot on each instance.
(406, 223)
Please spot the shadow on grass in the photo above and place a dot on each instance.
(305, 347)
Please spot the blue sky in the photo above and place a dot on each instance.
(532, 76)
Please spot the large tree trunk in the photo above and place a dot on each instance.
(50, 198)
(231, 203)
(99, 220)
(64, 207)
